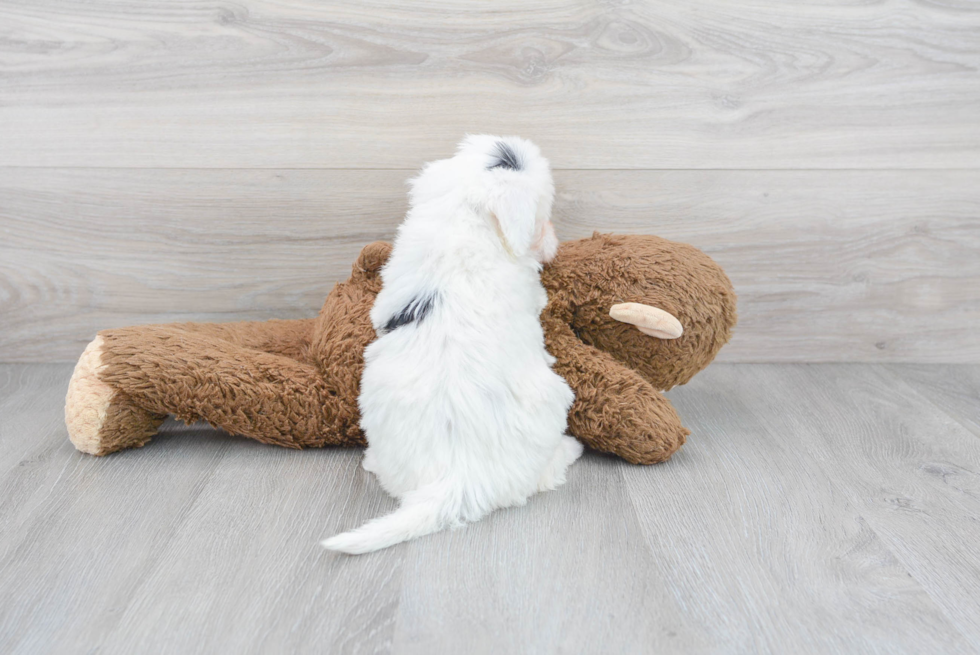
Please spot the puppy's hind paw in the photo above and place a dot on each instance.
(568, 451)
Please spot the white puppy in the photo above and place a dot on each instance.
(461, 409)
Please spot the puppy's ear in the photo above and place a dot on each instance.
(513, 206)
(521, 186)
(513, 200)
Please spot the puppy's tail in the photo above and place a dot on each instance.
(423, 511)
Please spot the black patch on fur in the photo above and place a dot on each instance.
(507, 157)
(416, 310)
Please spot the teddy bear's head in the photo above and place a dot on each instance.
(591, 276)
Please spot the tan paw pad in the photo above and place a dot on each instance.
(88, 401)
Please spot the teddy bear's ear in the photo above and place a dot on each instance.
(651, 321)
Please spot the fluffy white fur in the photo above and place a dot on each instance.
(459, 404)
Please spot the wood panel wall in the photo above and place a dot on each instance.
(226, 160)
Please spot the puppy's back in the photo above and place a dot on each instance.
(461, 409)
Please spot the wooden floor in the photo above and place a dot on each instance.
(816, 508)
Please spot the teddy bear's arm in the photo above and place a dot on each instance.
(343, 329)
(615, 409)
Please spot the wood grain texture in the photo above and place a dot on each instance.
(828, 265)
(269, 586)
(911, 472)
(197, 541)
(85, 250)
(953, 388)
(569, 572)
(758, 538)
(667, 84)
(815, 509)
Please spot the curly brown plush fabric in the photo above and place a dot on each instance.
(295, 383)
(617, 372)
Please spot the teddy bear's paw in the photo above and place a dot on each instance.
(372, 258)
(653, 448)
(99, 419)
(88, 400)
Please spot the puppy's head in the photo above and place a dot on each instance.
(507, 182)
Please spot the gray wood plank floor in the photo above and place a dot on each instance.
(816, 508)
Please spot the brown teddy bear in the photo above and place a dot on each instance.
(627, 317)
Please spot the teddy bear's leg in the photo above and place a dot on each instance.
(615, 410)
(288, 338)
(264, 396)
(165, 369)
(101, 419)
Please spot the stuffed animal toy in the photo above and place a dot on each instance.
(627, 318)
